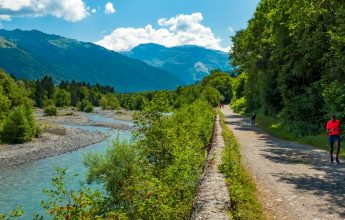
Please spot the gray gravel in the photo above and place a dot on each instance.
(47, 145)
(294, 181)
(212, 200)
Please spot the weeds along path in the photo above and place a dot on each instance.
(294, 181)
(212, 200)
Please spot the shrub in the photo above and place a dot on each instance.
(88, 108)
(212, 96)
(85, 106)
(239, 105)
(50, 110)
(18, 127)
(62, 98)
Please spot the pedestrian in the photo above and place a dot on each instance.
(253, 117)
(333, 131)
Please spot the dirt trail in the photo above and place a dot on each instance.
(212, 200)
(294, 181)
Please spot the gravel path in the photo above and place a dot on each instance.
(212, 200)
(294, 181)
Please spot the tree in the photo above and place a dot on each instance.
(104, 102)
(16, 127)
(62, 98)
(222, 82)
(50, 110)
(212, 96)
(291, 51)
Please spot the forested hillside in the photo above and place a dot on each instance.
(291, 57)
(34, 54)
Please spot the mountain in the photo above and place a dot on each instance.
(33, 54)
(189, 63)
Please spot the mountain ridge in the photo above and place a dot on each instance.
(188, 62)
(33, 54)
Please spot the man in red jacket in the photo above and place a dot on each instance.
(333, 131)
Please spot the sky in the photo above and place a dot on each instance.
(121, 25)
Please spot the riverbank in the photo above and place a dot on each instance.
(50, 143)
(57, 139)
(119, 119)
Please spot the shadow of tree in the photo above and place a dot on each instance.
(330, 185)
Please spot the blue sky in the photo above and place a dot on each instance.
(129, 22)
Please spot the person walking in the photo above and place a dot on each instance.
(253, 117)
(333, 131)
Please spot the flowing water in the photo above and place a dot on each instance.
(23, 184)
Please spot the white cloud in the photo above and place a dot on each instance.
(109, 8)
(70, 10)
(93, 11)
(179, 30)
(5, 17)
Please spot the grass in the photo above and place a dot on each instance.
(242, 189)
(275, 127)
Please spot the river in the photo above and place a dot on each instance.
(22, 185)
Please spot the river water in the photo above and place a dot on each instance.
(23, 185)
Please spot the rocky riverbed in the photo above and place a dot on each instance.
(57, 139)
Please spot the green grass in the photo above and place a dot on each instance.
(242, 189)
(275, 127)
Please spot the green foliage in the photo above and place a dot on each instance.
(211, 95)
(11, 94)
(85, 106)
(156, 175)
(222, 82)
(18, 127)
(215, 88)
(5, 104)
(44, 90)
(244, 204)
(16, 118)
(238, 84)
(14, 214)
(239, 105)
(62, 98)
(109, 101)
(291, 53)
(50, 110)
(85, 203)
(88, 108)
(334, 96)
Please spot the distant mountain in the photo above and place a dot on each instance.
(189, 63)
(33, 54)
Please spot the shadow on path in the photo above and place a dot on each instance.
(330, 185)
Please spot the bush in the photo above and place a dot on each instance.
(156, 177)
(239, 105)
(50, 110)
(19, 126)
(62, 98)
(211, 95)
(85, 106)
(88, 108)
